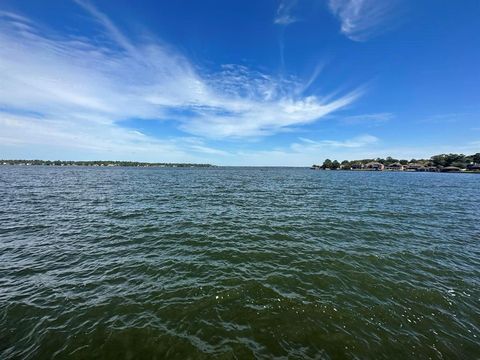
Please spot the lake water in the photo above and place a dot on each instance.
(126, 263)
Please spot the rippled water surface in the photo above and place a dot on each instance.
(238, 263)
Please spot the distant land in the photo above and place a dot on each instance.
(437, 163)
(99, 163)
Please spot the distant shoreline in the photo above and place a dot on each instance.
(101, 163)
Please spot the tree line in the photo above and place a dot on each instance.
(440, 161)
(97, 163)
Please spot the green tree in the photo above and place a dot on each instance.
(346, 165)
(327, 164)
(335, 165)
(438, 160)
(389, 160)
(454, 158)
(476, 158)
(459, 164)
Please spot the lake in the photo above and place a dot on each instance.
(126, 263)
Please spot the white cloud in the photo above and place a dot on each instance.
(305, 152)
(450, 118)
(362, 19)
(94, 140)
(83, 88)
(283, 15)
(367, 119)
(307, 145)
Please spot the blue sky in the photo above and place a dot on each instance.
(261, 82)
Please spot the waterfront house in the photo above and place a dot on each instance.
(451, 169)
(357, 166)
(394, 167)
(473, 167)
(376, 166)
(414, 167)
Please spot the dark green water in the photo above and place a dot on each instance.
(238, 263)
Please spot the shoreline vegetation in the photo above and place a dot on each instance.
(101, 163)
(452, 163)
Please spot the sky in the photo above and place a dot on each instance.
(250, 82)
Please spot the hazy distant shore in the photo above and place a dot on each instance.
(98, 163)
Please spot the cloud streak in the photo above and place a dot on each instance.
(31, 137)
(305, 152)
(362, 19)
(283, 15)
(367, 119)
(307, 145)
(77, 85)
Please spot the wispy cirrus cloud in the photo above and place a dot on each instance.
(306, 144)
(31, 137)
(284, 14)
(305, 152)
(362, 19)
(451, 118)
(367, 119)
(87, 87)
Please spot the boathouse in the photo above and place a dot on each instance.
(394, 167)
(376, 166)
